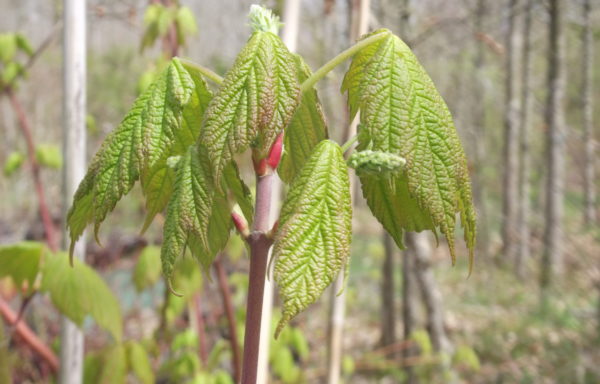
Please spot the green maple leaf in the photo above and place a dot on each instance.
(255, 103)
(313, 241)
(153, 129)
(79, 291)
(198, 214)
(402, 113)
(307, 129)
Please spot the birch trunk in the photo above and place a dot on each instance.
(552, 259)
(524, 252)
(289, 35)
(588, 111)
(510, 160)
(74, 144)
(361, 9)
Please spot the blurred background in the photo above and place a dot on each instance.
(520, 79)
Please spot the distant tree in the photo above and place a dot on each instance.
(552, 259)
(588, 112)
(524, 251)
(510, 155)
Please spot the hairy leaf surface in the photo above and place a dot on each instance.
(307, 129)
(255, 103)
(157, 182)
(313, 242)
(137, 148)
(197, 214)
(403, 113)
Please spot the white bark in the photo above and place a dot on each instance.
(337, 313)
(74, 143)
(289, 35)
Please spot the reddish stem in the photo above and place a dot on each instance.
(29, 337)
(228, 304)
(259, 254)
(35, 169)
(202, 339)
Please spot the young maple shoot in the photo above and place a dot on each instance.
(180, 140)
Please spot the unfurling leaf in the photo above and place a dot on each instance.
(138, 148)
(313, 241)
(307, 129)
(198, 215)
(49, 156)
(255, 103)
(13, 163)
(402, 113)
(79, 291)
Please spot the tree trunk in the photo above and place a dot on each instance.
(588, 111)
(432, 297)
(359, 21)
(552, 259)
(388, 309)
(511, 163)
(478, 134)
(524, 252)
(74, 77)
(289, 35)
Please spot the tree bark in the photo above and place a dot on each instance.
(74, 77)
(587, 57)
(552, 260)
(524, 252)
(432, 297)
(511, 159)
(388, 308)
(478, 133)
(289, 35)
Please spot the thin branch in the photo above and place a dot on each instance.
(229, 312)
(35, 169)
(28, 336)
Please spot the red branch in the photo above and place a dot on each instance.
(35, 169)
(29, 337)
(228, 304)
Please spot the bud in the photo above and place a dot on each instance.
(376, 162)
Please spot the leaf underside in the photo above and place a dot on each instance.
(255, 103)
(306, 129)
(313, 241)
(402, 113)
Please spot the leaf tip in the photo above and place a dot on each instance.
(171, 289)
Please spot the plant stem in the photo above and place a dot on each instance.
(349, 143)
(209, 74)
(328, 67)
(28, 336)
(227, 303)
(35, 169)
(259, 254)
(196, 306)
